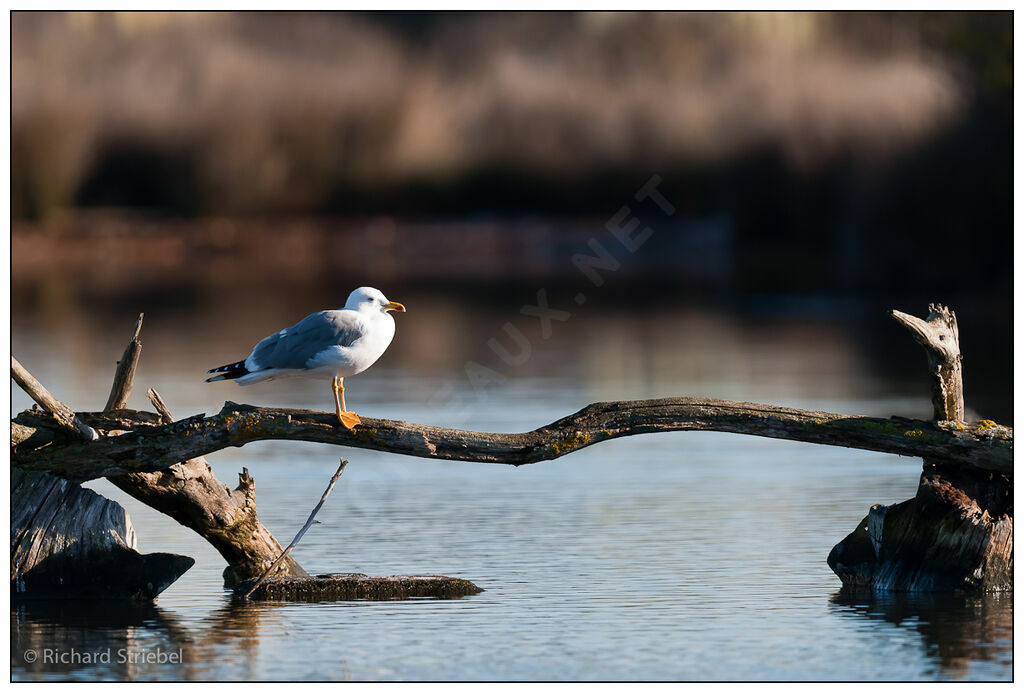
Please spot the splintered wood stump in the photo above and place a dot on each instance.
(348, 586)
(957, 532)
(68, 542)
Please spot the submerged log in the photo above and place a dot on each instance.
(347, 586)
(68, 542)
(957, 532)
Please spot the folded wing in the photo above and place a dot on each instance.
(293, 347)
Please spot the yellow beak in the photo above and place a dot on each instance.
(395, 306)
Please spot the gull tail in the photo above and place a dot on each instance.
(228, 372)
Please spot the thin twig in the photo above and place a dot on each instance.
(63, 414)
(309, 523)
(125, 373)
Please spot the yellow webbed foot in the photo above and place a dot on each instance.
(349, 419)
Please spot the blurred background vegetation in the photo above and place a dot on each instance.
(208, 113)
(821, 163)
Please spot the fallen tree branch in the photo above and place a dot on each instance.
(150, 446)
(62, 414)
(68, 541)
(309, 523)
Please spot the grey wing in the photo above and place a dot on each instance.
(294, 346)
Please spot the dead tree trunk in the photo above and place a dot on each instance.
(957, 532)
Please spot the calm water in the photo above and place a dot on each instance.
(688, 556)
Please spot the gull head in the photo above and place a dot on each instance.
(366, 299)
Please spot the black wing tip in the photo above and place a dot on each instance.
(237, 365)
(228, 372)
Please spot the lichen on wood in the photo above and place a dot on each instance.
(150, 446)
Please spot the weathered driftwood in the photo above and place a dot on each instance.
(124, 375)
(957, 532)
(153, 446)
(962, 462)
(62, 414)
(346, 586)
(939, 335)
(70, 542)
(298, 536)
(190, 493)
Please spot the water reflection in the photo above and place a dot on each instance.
(962, 637)
(90, 640)
(958, 631)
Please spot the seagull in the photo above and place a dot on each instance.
(328, 344)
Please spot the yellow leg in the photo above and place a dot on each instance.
(347, 418)
(337, 402)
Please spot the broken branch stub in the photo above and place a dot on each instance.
(940, 337)
(121, 388)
